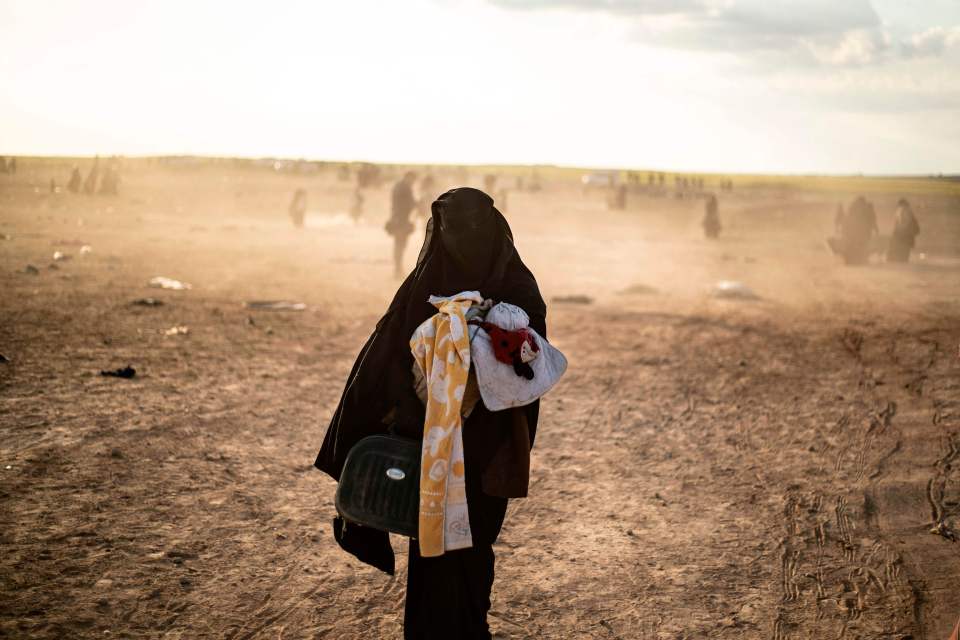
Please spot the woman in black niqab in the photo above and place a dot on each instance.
(468, 246)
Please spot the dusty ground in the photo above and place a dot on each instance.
(708, 468)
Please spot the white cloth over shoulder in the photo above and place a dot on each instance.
(500, 386)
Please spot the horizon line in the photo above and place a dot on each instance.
(597, 168)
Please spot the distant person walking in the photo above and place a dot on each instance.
(838, 219)
(402, 204)
(619, 199)
(90, 184)
(298, 207)
(110, 183)
(427, 195)
(76, 180)
(858, 228)
(711, 218)
(905, 232)
(356, 207)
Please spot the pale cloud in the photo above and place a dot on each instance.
(930, 43)
(796, 32)
(619, 7)
(853, 48)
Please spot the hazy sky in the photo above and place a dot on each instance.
(831, 86)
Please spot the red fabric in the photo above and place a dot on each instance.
(507, 344)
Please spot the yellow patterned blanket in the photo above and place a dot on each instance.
(441, 348)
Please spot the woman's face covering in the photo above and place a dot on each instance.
(468, 236)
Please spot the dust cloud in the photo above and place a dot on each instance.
(753, 440)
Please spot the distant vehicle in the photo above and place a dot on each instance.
(599, 179)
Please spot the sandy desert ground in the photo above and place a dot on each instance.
(786, 467)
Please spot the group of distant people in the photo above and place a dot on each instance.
(685, 186)
(368, 175)
(654, 179)
(857, 227)
(655, 185)
(403, 201)
(106, 182)
(405, 206)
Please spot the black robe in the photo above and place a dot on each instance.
(380, 392)
(903, 238)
